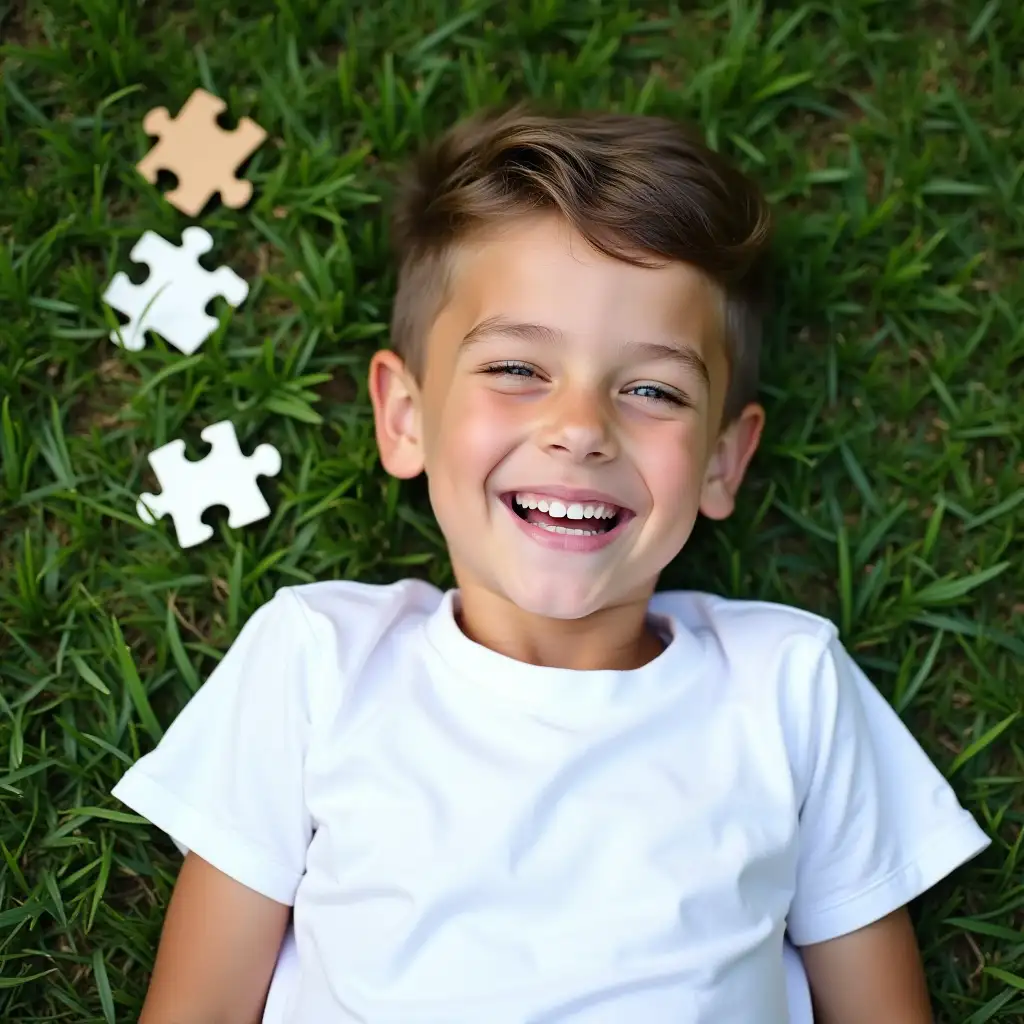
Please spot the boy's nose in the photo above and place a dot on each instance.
(578, 427)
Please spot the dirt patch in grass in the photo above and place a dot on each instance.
(16, 29)
(340, 389)
(107, 403)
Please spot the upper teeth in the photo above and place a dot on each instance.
(558, 509)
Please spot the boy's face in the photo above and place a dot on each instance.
(612, 397)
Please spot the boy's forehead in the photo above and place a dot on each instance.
(540, 271)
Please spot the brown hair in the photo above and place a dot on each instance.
(634, 186)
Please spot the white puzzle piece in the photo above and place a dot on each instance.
(172, 301)
(224, 477)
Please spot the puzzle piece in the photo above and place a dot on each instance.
(202, 155)
(172, 300)
(224, 477)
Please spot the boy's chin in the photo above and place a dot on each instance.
(561, 597)
(561, 607)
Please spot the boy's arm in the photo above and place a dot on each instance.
(217, 951)
(871, 976)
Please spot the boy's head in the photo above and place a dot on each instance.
(578, 315)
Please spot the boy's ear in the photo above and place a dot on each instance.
(734, 449)
(396, 415)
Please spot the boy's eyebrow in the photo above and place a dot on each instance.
(499, 325)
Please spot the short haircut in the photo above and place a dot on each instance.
(638, 188)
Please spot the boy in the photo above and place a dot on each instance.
(551, 795)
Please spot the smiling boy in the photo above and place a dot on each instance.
(556, 372)
(551, 794)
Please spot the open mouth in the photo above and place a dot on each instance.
(566, 517)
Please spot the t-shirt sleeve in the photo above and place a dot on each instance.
(226, 780)
(879, 824)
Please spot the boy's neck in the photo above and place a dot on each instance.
(617, 638)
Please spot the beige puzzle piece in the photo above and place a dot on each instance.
(200, 153)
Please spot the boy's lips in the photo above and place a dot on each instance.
(571, 495)
(571, 541)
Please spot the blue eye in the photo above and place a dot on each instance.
(511, 368)
(657, 394)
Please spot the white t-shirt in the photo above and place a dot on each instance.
(466, 838)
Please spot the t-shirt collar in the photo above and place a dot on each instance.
(572, 690)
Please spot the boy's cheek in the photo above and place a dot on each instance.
(462, 448)
(672, 462)
(475, 424)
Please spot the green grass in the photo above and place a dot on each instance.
(889, 494)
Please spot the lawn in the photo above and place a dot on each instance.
(889, 493)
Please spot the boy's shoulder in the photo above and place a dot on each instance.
(371, 600)
(744, 625)
(362, 610)
(339, 625)
(704, 611)
(789, 660)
